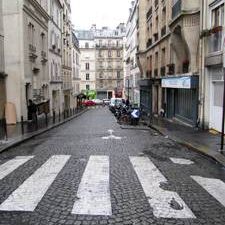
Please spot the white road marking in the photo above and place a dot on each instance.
(214, 187)
(93, 196)
(30, 193)
(181, 161)
(111, 136)
(160, 200)
(13, 164)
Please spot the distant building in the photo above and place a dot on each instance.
(75, 68)
(26, 59)
(102, 49)
(87, 61)
(2, 67)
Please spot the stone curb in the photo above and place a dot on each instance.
(29, 136)
(216, 156)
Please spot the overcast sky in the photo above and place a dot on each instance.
(100, 12)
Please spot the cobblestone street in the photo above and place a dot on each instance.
(90, 171)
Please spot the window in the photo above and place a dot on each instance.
(87, 76)
(86, 45)
(87, 66)
(218, 16)
(109, 53)
(87, 87)
(118, 53)
(118, 74)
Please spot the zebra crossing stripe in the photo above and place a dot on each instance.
(13, 164)
(30, 193)
(214, 187)
(165, 204)
(93, 196)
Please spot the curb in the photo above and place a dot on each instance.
(27, 137)
(216, 156)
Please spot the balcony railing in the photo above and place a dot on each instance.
(215, 42)
(176, 10)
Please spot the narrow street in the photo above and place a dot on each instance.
(90, 171)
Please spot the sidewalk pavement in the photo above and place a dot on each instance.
(15, 136)
(201, 141)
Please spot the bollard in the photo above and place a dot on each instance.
(59, 116)
(54, 116)
(22, 125)
(5, 129)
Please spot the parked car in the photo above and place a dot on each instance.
(98, 101)
(89, 103)
(106, 101)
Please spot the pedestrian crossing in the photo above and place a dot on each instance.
(93, 194)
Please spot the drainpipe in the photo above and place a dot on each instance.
(202, 69)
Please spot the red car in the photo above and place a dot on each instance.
(89, 103)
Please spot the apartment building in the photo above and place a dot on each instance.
(109, 61)
(55, 55)
(169, 58)
(2, 66)
(87, 61)
(67, 55)
(26, 58)
(132, 72)
(212, 82)
(102, 60)
(75, 69)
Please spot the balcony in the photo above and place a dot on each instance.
(176, 9)
(44, 57)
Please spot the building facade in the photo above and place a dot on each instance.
(102, 60)
(75, 69)
(87, 61)
(26, 58)
(212, 82)
(2, 67)
(67, 55)
(55, 55)
(132, 72)
(109, 61)
(169, 58)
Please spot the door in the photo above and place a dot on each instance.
(170, 103)
(217, 106)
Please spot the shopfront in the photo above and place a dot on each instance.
(146, 96)
(182, 98)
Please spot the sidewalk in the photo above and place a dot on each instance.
(15, 136)
(200, 141)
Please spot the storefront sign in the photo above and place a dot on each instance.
(177, 82)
